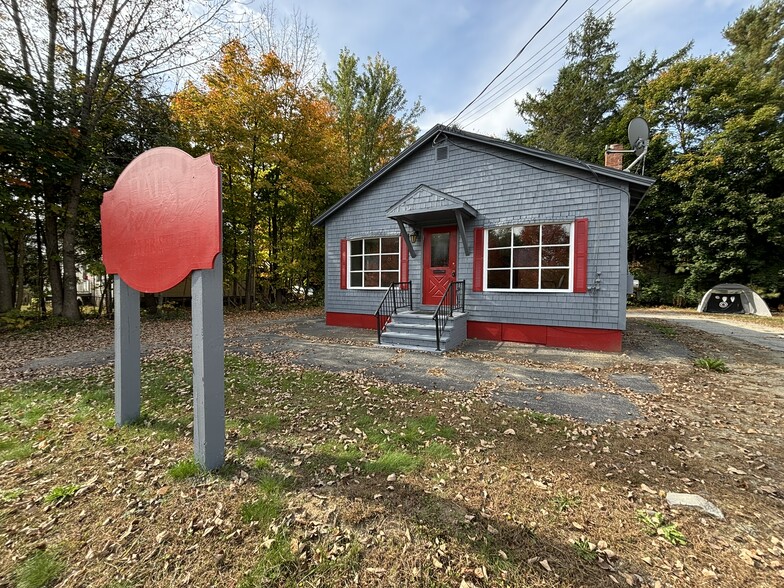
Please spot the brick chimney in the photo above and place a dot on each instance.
(614, 160)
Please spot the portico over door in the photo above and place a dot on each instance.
(439, 262)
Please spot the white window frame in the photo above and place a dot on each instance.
(539, 268)
(363, 271)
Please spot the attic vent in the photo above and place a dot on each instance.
(442, 153)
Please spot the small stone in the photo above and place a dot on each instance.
(391, 477)
(694, 501)
(510, 432)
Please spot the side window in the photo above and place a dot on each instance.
(374, 262)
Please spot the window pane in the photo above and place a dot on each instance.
(372, 261)
(371, 246)
(387, 278)
(499, 237)
(498, 279)
(389, 262)
(555, 234)
(439, 250)
(356, 247)
(356, 280)
(356, 264)
(389, 244)
(526, 235)
(526, 257)
(555, 256)
(555, 279)
(371, 279)
(527, 279)
(498, 257)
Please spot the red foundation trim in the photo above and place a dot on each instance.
(348, 319)
(571, 337)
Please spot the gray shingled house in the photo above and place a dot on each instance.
(466, 235)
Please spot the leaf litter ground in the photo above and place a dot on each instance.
(343, 479)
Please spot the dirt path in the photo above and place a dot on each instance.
(764, 335)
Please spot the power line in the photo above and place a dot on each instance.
(484, 107)
(514, 76)
(510, 63)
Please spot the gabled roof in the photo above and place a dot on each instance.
(426, 202)
(638, 185)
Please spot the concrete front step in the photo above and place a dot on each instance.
(417, 330)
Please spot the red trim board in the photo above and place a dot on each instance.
(570, 337)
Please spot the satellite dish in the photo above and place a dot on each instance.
(638, 135)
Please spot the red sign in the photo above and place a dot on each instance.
(162, 219)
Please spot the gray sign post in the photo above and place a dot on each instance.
(161, 222)
(209, 427)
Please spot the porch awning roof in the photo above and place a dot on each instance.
(426, 205)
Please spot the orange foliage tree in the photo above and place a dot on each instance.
(277, 145)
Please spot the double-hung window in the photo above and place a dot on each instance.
(374, 262)
(529, 257)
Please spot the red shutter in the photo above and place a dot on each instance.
(580, 277)
(479, 259)
(343, 264)
(403, 260)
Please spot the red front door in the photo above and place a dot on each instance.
(439, 262)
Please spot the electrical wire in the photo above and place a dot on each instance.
(487, 108)
(511, 78)
(534, 71)
(511, 62)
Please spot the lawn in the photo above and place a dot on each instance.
(344, 480)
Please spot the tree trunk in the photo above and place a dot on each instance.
(51, 241)
(70, 300)
(40, 264)
(274, 250)
(250, 274)
(6, 301)
(20, 275)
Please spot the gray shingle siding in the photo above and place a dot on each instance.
(505, 189)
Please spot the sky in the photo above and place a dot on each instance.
(447, 51)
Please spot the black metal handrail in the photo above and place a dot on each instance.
(398, 296)
(453, 298)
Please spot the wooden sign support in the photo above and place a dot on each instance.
(160, 222)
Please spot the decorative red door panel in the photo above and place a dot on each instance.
(439, 262)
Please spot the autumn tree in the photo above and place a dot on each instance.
(71, 58)
(372, 112)
(275, 143)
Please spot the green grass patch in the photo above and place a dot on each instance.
(541, 418)
(60, 494)
(656, 524)
(667, 330)
(585, 550)
(393, 462)
(15, 450)
(438, 451)
(262, 463)
(269, 503)
(340, 455)
(424, 428)
(187, 468)
(713, 364)
(10, 495)
(40, 570)
(275, 563)
(564, 502)
(262, 423)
